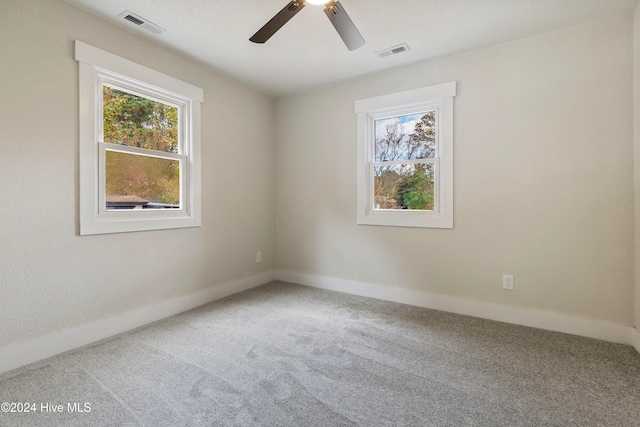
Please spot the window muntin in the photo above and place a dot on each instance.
(405, 158)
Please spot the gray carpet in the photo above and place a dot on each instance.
(287, 355)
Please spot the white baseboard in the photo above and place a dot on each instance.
(519, 316)
(50, 345)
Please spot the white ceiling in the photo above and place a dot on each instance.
(308, 53)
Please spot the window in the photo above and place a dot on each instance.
(139, 146)
(405, 158)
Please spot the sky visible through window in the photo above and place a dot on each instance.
(410, 184)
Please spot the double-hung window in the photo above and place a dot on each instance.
(405, 158)
(139, 146)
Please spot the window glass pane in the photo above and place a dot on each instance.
(141, 182)
(404, 186)
(136, 121)
(406, 137)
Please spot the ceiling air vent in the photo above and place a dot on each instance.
(139, 21)
(392, 51)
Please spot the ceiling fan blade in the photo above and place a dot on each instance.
(344, 25)
(277, 21)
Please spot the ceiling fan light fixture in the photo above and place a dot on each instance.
(332, 8)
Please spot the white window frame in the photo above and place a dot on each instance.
(438, 98)
(96, 68)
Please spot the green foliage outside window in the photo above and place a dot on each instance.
(415, 191)
(136, 121)
(410, 185)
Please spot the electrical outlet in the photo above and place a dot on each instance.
(258, 257)
(507, 282)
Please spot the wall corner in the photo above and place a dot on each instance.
(636, 165)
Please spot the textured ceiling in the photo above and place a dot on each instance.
(307, 52)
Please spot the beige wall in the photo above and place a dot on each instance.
(543, 179)
(51, 278)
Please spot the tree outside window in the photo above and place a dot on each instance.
(410, 139)
(135, 121)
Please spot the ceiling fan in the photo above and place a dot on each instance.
(334, 11)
